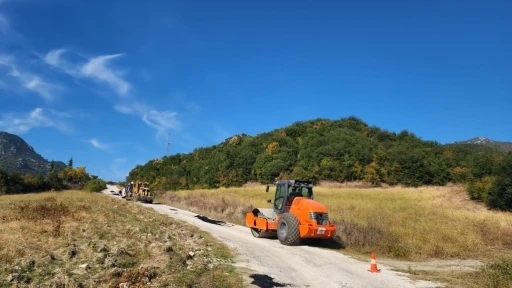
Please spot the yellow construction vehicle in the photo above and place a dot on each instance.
(139, 191)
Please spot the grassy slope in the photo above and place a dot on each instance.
(46, 237)
(401, 223)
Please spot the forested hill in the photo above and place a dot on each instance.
(341, 150)
(17, 156)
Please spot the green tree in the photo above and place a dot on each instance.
(52, 178)
(357, 172)
(371, 173)
(500, 193)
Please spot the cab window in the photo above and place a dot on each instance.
(306, 192)
(279, 200)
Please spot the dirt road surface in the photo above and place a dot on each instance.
(270, 264)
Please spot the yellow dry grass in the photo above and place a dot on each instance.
(403, 223)
(46, 237)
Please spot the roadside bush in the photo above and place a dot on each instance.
(500, 193)
(95, 185)
(495, 274)
(479, 189)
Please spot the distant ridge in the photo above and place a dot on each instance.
(482, 141)
(17, 155)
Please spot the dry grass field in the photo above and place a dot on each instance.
(82, 239)
(413, 224)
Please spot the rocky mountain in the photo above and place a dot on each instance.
(17, 155)
(235, 137)
(482, 141)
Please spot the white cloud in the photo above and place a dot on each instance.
(125, 109)
(8, 35)
(64, 114)
(32, 82)
(162, 121)
(95, 143)
(96, 68)
(53, 58)
(6, 60)
(39, 86)
(133, 108)
(36, 118)
(36, 84)
(182, 99)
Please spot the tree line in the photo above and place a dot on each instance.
(66, 178)
(341, 150)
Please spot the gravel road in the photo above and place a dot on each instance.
(270, 264)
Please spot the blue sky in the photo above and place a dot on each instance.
(105, 82)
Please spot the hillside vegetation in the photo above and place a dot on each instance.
(67, 178)
(342, 150)
(81, 239)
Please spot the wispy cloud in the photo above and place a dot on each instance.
(65, 114)
(162, 121)
(100, 69)
(23, 123)
(6, 60)
(97, 144)
(6, 32)
(96, 68)
(30, 81)
(191, 106)
(132, 108)
(53, 58)
(125, 109)
(36, 84)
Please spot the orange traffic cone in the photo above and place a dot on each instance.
(373, 265)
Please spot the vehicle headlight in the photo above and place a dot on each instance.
(320, 218)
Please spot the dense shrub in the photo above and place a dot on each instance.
(68, 178)
(479, 189)
(495, 274)
(500, 193)
(95, 185)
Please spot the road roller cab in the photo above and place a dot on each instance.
(293, 217)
